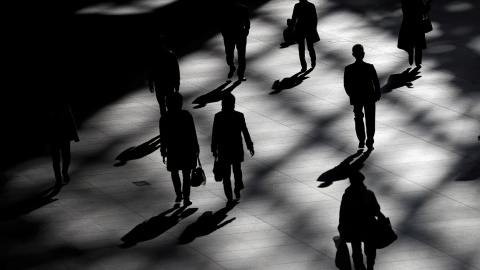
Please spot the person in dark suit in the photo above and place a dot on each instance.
(163, 73)
(227, 146)
(305, 21)
(412, 36)
(235, 27)
(61, 130)
(179, 145)
(358, 210)
(362, 86)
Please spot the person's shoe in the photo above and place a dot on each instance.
(187, 202)
(410, 58)
(230, 203)
(304, 68)
(418, 65)
(237, 194)
(178, 198)
(370, 148)
(242, 78)
(232, 70)
(361, 145)
(314, 64)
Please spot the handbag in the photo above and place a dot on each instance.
(342, 257)
(427, 24)
(198, 175)
(217, 171)
(384, 235)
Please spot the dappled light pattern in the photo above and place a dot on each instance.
(424, 169)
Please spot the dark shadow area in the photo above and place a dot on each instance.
(156, 226)
(215, 95)
(207, 223)
(137, 152)
(290, 82)
(472, 173)
(399, 80)
(344, 169)
(31, 204)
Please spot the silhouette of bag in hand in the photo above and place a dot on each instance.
(342, 257)
(217, 171)
(384, 235)
(198, 176)
(427, 24)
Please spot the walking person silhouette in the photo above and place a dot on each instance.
(362, 86)
(227, 146)
(163, 72)
(412, 35)
(179, 145)
(358, 210)
(235, 27)
(305, 21)
(61, 130)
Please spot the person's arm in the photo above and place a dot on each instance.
(163, 137)
(346, 81)
(246, 20)
(214, 146)
(376, 83)
(194, 135)
(177, 73)
(295, 16)
(246, 136)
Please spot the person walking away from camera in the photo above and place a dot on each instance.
(227, 145)
(305, 21)
(179, 145)
(363, 87)
(358, 210)
(163, 73)
(235, 27)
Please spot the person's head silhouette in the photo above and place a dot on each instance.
(174, 101)
(358, 52)
(356, 179)
(228, 102)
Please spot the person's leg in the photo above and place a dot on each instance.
(357, 255)
(359, 125)
(227, 183)
(177, 185)
(66, 157)
(160, 93)
(241, 50)
(301, 52)
(186, 187)
(371, 253)
(311, 52)
(55, 153)
(237, 174)
(229, 42)
(370, 123)
(418, 55)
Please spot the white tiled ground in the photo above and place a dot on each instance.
(424, 169)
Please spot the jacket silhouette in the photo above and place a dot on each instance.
(361, 83)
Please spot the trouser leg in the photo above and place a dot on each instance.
(66, 156)
(55, 153)
(357, 255)
(237, 175)
(370, 122)
(311, 52)
(177, 185)
(186, 184)
(359, 125)
(161, 97)
(301, 52)
(227, 183)
(371, 253)
(229, 42)
(241, 50)
(418, 55)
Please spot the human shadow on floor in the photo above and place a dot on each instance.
(290, 82)
(207, 223)
(399, 80)
(156, 226)
(31, 204)
(215, 95)
(472, 173)
(343, 170)
(137, 152)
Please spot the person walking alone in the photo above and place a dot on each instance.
(305, 21)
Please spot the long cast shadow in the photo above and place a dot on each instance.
(24, 207)
(215, 95)
(403, 79)
(207, 223)
(156, 226)
(290, 82)
(137, 152)
(342, 170)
